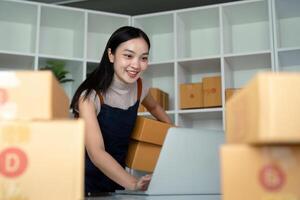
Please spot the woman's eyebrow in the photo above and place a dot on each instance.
(147, 53)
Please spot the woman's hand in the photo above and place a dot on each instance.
(143, 182)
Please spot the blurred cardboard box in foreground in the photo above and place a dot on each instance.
(265, 111)
(31, 95)
(41, 160)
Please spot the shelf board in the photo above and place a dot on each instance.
(201, 110)
(286, 49)
(202, 114)
(257, 60)
(16, 53)
(60, 57)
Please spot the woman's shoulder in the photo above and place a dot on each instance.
(92, 97)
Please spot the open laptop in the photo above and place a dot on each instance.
(188, 164)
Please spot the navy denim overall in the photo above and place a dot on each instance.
(116, 126)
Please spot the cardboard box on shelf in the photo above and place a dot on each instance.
(260, 172)
(42, 159)
(165, 100)
(229, 92)
(31, 95)
(212, 91)
(266, 110)
(142, 156)
(149, 130)
(191, 95)
(160, 96)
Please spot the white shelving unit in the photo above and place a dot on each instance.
(198, 33)
(100, 27)
(18, 31)
(34, 33)
(233, 40)
(286, 22)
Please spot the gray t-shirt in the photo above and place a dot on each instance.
(119, 94)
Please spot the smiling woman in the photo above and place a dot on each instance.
(108, 101)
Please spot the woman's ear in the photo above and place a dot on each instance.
(110, 55)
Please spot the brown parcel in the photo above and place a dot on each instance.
(266, 110)
(148, 136)
(260, 172)
(149, 130)
(212, 91)
(32, 95)
(191, 95)
(42, 160)
(142, 156)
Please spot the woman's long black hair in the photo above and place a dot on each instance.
(101, 78)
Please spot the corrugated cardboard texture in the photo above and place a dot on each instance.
(212, 91)
(191, 95)
(41, 160)
(32, 95)
(260, 173)
(161, 97)
(142, 156)
(266, 110)
(149, 130)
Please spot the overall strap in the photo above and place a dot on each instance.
(139, 88)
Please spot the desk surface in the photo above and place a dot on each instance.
(156, 197)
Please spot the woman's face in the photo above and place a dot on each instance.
(130, 59)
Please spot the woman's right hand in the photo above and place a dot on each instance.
(143, 183)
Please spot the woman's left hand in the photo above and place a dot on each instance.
(143, 182)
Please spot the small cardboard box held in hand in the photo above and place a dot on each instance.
(41, 160)
(260, 172)
(266, 110)
(148, 137)
(31, 95)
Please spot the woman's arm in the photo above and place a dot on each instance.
(96, 150)
(155, 109)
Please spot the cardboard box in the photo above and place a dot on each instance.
(150, 131)
(212, 91)
(260, 173)
(142, 156)
(158, 95)
(191, 95)
(229, 92)
(32, 95)
(41, 160)
(165, 100)
(266, 110)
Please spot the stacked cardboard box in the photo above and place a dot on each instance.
(262, 157)
(147, 138)
(160, 96)
(41, 152)
(201, 95)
